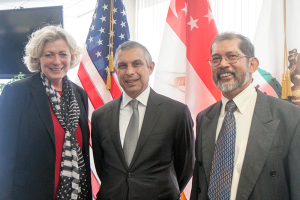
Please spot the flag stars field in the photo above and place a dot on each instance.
(103, 18)
(193, 23)
(111, 33)
(209, 15)
(185, 9)
(123, 12)
(98, 54)
(110, 45)
(122, 36)
(105, 7)
(123, 24)
(100, 42)
(102, 30)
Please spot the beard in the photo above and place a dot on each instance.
(239, 79)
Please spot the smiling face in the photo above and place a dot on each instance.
(133, 73)
(231, 79)
(55, 61)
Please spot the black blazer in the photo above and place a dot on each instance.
(163, 161)
(27, 144)
(271, 168)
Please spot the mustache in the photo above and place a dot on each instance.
(224, 71)
(131, 77)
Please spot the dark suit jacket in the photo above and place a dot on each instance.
(163, 161)
(271, 168)
(27, 144)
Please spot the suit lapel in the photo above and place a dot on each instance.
(208, 132)
(151, 116)
(262, 133)
(114, 114)
(39, 94)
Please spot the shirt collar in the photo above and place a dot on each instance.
(241, 100)
(142, 98)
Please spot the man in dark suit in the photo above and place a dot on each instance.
(266, 142)
(162, 157)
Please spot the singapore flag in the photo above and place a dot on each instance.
(183, 72)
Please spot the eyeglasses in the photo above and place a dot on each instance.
(230, 59)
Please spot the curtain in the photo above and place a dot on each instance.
(240, 16)
(150, 22)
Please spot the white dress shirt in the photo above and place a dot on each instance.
(126, 111)
(245, 102)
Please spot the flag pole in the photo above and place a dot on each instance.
(111, 47)
(286, 90)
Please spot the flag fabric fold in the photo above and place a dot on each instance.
(183, 72)
(109, 29)
(269, 43)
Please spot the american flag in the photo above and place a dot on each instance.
(108, 30)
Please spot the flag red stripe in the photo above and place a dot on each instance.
(95, 184)
(90, 134)
(89, 87)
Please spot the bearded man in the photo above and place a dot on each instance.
(247, 144)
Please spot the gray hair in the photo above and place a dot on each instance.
(245, 45)
(131, 45)
(37, 41)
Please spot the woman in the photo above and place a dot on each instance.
(44, 134)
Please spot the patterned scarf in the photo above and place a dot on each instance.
(73, 175)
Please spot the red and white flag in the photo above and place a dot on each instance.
(183, 72)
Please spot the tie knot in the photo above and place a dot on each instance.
(230, 106)
(134, 103)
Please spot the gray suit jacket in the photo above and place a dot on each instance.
(271, 168)
(164, 158)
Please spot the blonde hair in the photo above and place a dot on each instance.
(37, 41)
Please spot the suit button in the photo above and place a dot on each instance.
(273, 173)
(129, 175)
(199, 190)
(200, 163)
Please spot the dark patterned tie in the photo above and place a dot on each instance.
(223, 159)
(132, 132)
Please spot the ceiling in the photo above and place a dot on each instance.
(71, 8)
